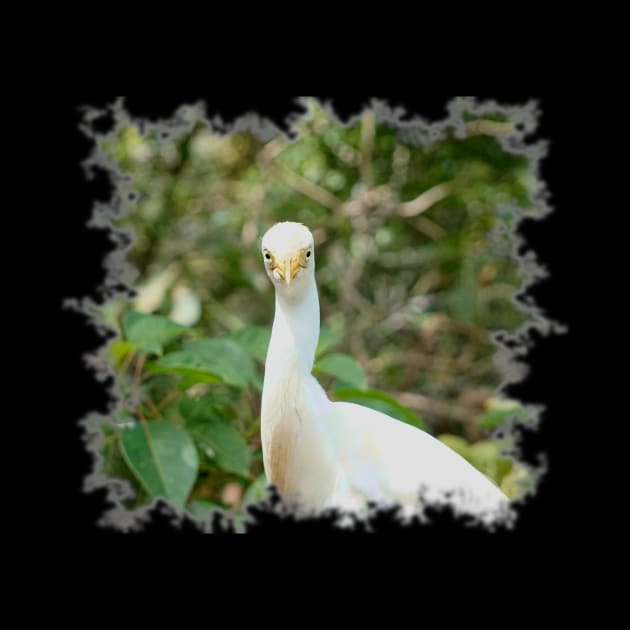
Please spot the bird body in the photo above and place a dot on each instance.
(324, 454)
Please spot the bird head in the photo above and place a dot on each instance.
(289, 257)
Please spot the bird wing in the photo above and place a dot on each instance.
(384, 460)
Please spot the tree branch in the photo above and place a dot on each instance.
(368, 129)
(424, 201)
(430, 228)
(488, 128)
(308, 189)
(266, 160)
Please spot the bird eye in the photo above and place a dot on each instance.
(308, 253)
(267, 255)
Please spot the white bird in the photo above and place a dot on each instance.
(323, 454)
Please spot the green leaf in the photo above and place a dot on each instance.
(114, 465)
(204, 407)
(254, 339)
(327, 339)
(228, 358)
(485, 451)
(380, 402)
(342, 367)
(485, 455)
(119, 349)
(492, 419)
(457, 443)
(256, 490)
(150, 333)
(159, 386)
(187, 365)
(163, 458)
(216, 436)
(202, 509)
(497, 416)
(209, 361)
(221, 442)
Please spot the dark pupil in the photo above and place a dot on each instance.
(267, 256)
(308, 254)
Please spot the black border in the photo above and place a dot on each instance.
(78, 252)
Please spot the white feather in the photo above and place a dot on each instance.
(324, 454)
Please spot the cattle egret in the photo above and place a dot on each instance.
(323, 454)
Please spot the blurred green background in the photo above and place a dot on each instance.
(414, 270)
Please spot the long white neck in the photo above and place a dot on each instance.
(294, 336)
(296, 414)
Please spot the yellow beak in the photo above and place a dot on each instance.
(288, 268)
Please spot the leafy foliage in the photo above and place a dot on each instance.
(380, 402)
(163, 458)
(218, 437)
(342, 367)
(414, 269)
(150, 333)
